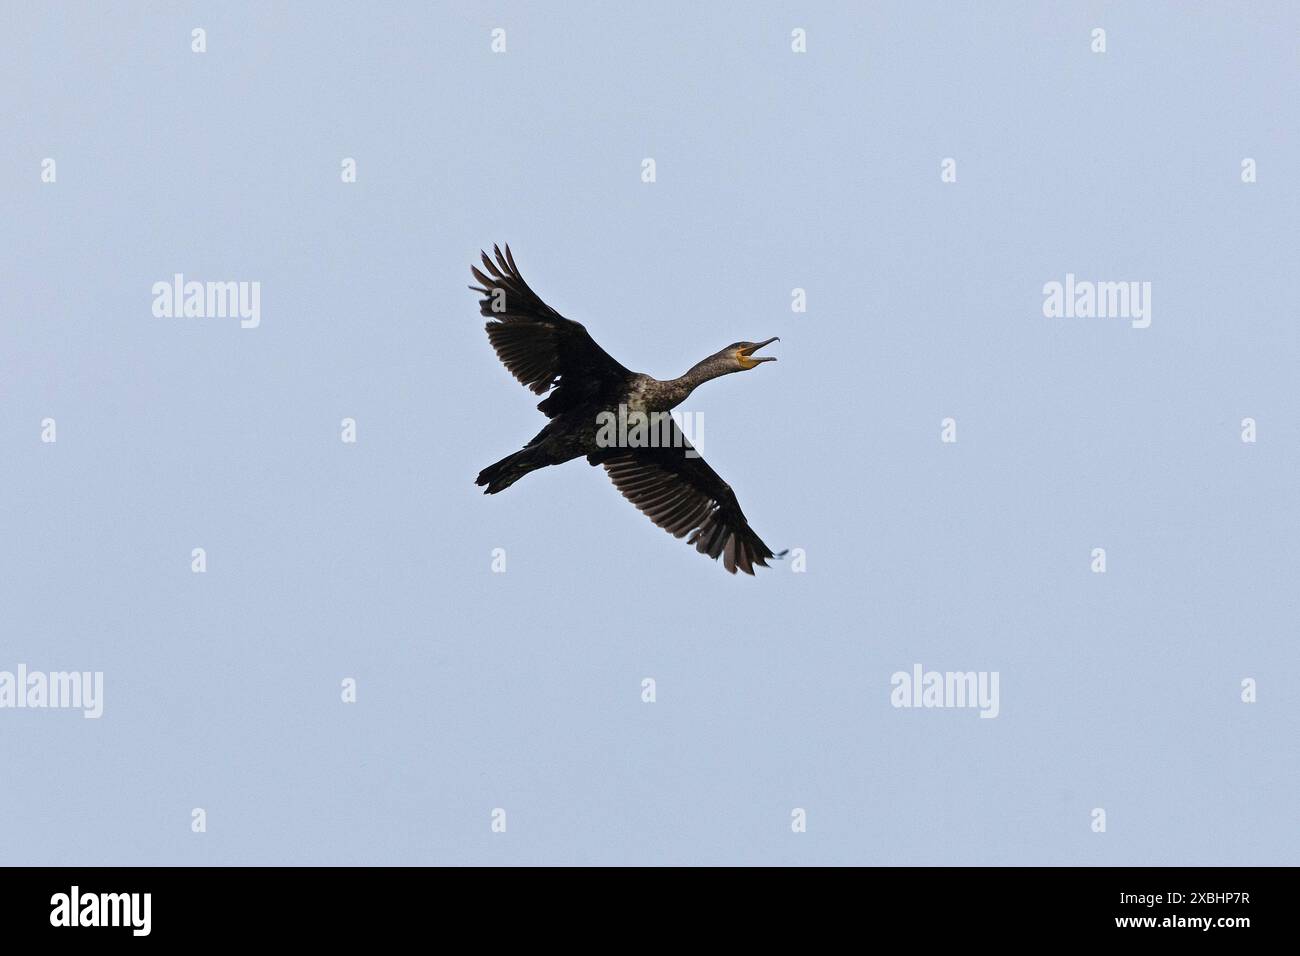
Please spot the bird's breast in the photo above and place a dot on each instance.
(646, 394)
(639, 397)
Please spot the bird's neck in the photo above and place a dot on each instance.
(679, 388)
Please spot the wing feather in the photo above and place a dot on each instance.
(540, 347)
(684, 496)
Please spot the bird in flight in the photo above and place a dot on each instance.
(666, 480)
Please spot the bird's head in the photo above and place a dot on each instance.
(740, 355)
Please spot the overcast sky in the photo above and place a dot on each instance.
(774, 171)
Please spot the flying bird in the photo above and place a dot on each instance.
(667, 482)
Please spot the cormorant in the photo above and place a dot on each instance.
(669, 482)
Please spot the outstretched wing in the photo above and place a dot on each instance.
(684, 496)
(539, 346)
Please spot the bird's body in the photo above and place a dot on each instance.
(667, 480)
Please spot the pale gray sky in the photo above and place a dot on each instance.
(522, 690)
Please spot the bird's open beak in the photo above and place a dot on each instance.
(747, 357)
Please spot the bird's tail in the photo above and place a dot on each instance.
(504, 473)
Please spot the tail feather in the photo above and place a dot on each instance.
(504, 473)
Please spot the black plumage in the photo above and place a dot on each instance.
(669, 482)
